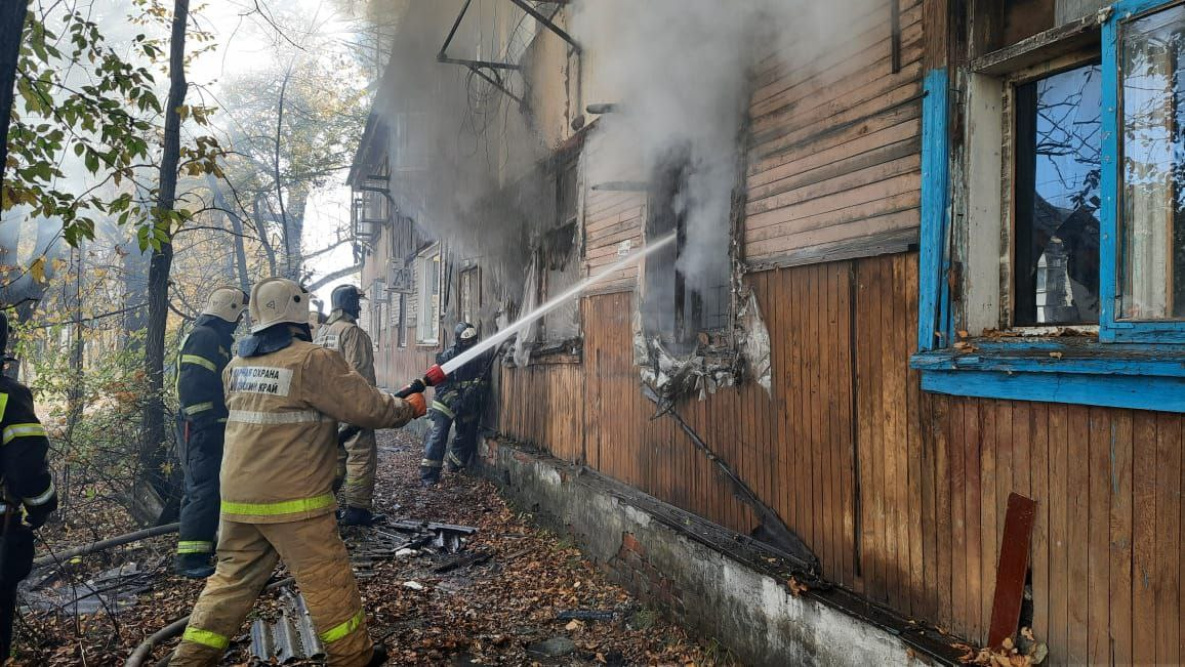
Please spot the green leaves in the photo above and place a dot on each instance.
(107, 124)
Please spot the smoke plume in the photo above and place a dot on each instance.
(678, 73)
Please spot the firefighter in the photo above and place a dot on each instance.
(205, 352)
(285, 397)
(460, 399)
(359, 456)
(28, 495)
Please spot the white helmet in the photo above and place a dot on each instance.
(226, 303)
(277, 300)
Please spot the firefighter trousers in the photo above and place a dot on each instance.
(201, 460)
(360, 459)
(435, 443)
(16, 560)
(247, 555)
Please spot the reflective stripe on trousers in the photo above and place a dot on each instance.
(283, 507)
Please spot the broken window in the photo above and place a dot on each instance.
(428, 296)
(559, 257)
(1058, 166)
(682, 297)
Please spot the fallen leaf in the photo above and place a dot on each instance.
(796, 587)
(968, 652)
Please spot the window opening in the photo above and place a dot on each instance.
(470, 295)
(401, 324)
(680, 300)
(1152, 216)
(559, 264)
(427, 330)
(1057, 175)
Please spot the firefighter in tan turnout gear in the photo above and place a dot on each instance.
(285, 398)
(359, 456)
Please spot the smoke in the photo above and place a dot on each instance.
(678, 73)
(456, 140)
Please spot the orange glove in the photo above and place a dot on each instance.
(418, 405)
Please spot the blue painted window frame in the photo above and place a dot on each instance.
(1133, 364)
(1111, 329)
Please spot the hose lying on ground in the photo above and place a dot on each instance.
(60, 556)
(137, 658)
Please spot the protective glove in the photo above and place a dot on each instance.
(419, 406)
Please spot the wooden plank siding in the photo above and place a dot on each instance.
(835, 153)
(900, 494)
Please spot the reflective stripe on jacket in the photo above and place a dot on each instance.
(23, 449)
(281, 431)
(205, 352)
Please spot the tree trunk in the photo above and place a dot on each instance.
(153, 447)
(279, 182)
(12, 25)
(236, 226)
(261, 228)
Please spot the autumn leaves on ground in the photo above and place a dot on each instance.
(498, 613)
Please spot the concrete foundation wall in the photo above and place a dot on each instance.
(750, 613)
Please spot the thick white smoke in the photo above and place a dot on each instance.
(679, 72)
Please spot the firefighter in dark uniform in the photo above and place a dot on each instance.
(204, 354)
(460, 399)
(28, 490)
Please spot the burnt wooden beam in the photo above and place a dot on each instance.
(775, 530)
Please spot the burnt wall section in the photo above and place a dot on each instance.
(901, 494)
(753, 614)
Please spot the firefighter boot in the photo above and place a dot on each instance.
(193, 566)
(356, 516)
(379, 657)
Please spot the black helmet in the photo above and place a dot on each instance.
(346, 298)
(464, 334)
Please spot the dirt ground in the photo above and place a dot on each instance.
(494, 613)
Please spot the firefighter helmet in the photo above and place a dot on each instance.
(346, 298)
(278, 300)
(465, 334)
(226, 303)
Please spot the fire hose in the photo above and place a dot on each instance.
(105, 544)
(433, 377)
(144, 650)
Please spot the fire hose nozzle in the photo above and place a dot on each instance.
(433, 377)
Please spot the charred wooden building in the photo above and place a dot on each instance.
(942, 288)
